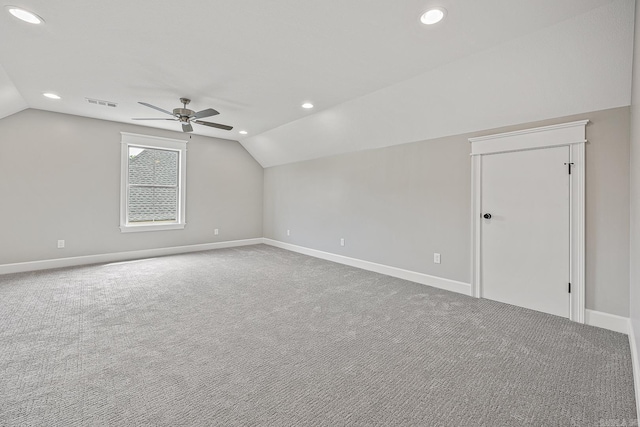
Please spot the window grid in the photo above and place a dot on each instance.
(152, 185)
(148, 199)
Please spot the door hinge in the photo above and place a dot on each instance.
(569, 164)
(569, 287)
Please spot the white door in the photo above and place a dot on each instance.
(525, 244)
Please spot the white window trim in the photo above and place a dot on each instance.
(159, 143)
(571, 134)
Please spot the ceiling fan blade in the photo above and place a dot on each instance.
(206, 113)
(186, 127)
(156, 108)
(154, 119)
(213, 125)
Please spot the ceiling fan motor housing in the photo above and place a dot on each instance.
(183, 113)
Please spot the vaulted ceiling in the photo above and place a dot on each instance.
(375, 74)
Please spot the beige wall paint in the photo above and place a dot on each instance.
(60, 179)
(607, 212)
(399, 205)
(634, 283)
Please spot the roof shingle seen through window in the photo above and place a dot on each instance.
(153, 179)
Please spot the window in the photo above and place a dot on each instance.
(152, 196)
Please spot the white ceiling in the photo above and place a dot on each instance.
(361, 62)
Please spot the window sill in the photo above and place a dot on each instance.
(150, 227)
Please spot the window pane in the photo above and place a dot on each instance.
(150, 166)
(152, 169)
(153, 204)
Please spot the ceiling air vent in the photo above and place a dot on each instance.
(100, 102)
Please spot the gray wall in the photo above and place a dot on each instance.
(399, 205)
(634, 296)
(60, 179)
(394, 206)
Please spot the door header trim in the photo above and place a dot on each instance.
(540, 137)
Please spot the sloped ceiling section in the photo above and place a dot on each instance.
(579, 65)
(376, 75)
(12, 101)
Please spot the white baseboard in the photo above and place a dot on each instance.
(607, 321)
(424, 279)
(120, 256)
(594, 318)
(635, 363)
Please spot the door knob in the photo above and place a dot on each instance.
(487, 216)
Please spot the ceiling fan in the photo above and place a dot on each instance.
(186, 116)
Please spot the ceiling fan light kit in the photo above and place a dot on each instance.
(186, 116)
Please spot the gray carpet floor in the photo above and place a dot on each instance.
(261, 336)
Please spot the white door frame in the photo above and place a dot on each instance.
(571, 134)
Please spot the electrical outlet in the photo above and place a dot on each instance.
(288, 232)
(60, 244)
(342, 241)
(215, 231)
(436, 258)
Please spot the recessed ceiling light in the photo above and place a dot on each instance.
(307, 105)
(25, 15)
(243, 132)
(51, 95)
(433, 16)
